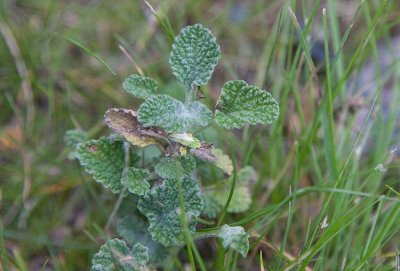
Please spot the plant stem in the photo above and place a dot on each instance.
(205, 222)
(220, 257)
(190, 95)
(198, 257)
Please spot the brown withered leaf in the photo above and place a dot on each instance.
(204, 152)
(124, 122)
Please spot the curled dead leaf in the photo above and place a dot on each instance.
(124, 122)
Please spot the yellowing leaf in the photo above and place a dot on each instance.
(222, 161)
(208, 153)
(186, 139)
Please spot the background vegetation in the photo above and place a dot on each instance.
(327, 193)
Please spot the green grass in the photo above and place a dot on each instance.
(317, 162)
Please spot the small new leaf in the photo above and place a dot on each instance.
(141, 254)
(236, 238)
(186, 139)
(133, 230)
(73, 137)
(104, 159)
(140, 86)
(172, 115)
(241, 103)
(161, 206)
(169, 168)
(194, 56)
(136, 180)
(115, 255)
(124, 122)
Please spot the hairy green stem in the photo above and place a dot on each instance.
(190, 95)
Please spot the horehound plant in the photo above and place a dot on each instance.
(167, 189)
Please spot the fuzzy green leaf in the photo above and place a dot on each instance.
(161, 206)
(115, 255)
(172, 115)
(236, 238)
(169, 168)
(212, 207)
(104, 159)
(241, 197)
(136, 180)
(188, 164)
(141, 254)
(240, 201)
(134, 230)
(197, 114)
(241, 103)
(140, 86)
(110, 255)
(194, 55)
(174, 167)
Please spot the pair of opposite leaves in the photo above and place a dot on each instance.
(238, 104)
